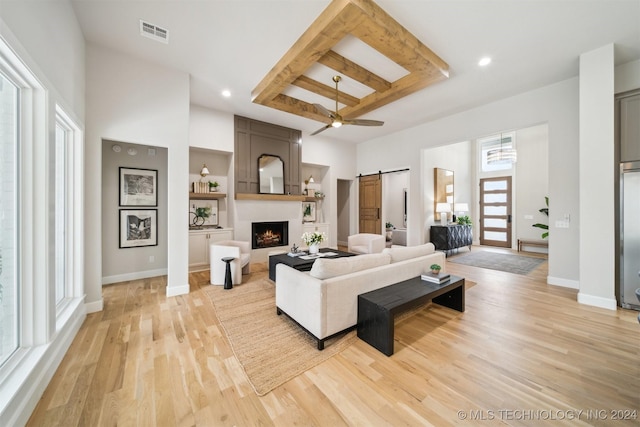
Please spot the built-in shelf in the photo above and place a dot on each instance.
(206, 196)
(273, 197)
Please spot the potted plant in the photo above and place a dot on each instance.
(213, 186)
(389, 228)
(313, 240)
(435, 268)
(544, 226)
(464, 220)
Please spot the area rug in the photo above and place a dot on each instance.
(272, 349)
(517, 264)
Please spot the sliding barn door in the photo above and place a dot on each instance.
(495, 211)
(370, 204)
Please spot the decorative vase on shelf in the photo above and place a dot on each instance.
(314, 248)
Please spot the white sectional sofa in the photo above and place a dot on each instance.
(324, 301)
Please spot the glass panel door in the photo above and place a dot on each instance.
(495, 211)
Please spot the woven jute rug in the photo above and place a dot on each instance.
(272, 349)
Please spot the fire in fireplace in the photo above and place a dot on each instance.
(269, 234)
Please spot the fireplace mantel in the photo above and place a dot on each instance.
(270, 197)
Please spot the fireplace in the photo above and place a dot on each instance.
(269, 234)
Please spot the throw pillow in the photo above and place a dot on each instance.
(403, 253)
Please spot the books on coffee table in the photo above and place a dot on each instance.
(435, 278)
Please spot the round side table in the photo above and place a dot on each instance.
(228, 283)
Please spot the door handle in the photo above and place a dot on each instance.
(509, 219)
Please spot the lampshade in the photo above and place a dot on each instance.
(204, 171)
(443, 207)
(311, 178)
(460, 207)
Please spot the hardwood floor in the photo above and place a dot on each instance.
(523, 353)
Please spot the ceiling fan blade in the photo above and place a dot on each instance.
(324, 110)
(321, 129)
(363, 122)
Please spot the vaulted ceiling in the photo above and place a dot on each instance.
(235, 44)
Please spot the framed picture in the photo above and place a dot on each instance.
(138, 228)
(308, 211)
(138, 187)
(203, 212)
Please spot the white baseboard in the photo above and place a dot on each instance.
(173, 291)
(608, 303)
(565, 283)
(95, 306)
(137, 275)
(24, 390)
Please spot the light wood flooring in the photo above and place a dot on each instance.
(523, 353)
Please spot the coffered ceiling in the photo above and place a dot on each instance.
(368, 23)
(233, 44)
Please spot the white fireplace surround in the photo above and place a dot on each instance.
(249, 211)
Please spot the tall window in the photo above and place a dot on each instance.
(9, 296)
(68, 139)
(60, 211)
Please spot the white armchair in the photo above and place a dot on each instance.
(241, 251)
(366, 243)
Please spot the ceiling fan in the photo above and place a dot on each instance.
(336, 119)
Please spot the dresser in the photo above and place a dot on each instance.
(449, 237)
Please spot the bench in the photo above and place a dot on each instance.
(527, 242)
(377, 309)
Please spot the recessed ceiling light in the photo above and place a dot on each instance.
(484, 61)
(226, 93)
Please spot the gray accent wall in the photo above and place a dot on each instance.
(119, 264)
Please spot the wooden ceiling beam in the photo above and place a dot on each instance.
(335, 22)
(329, 92)
(400, 88)
(349, 68)
(387, 36)
(298, 107)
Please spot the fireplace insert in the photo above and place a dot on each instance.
(269, 234)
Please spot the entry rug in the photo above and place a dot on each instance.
(272, 349)
(516, 264)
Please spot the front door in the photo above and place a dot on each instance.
(370, 204)
(495, 211)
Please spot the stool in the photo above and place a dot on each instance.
(228, 282)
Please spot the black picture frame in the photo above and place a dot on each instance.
(138, 187)
(138, 228)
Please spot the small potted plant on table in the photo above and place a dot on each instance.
(435, 268)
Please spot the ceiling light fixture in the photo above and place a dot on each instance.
(484, 61)
(503, 154)
(226, 93)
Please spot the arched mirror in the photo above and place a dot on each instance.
(443, 190)
(271, 174)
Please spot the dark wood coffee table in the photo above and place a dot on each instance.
(377, 309)
(299, 263)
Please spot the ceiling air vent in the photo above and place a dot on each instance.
(154, 32)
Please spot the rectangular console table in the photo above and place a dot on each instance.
(377, 309)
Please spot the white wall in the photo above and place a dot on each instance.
(133, 101)
(556, 105)
(597, 200)
(456, 158)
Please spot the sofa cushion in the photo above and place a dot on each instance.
(408, 252)
(325, 268)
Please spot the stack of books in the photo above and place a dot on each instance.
(435, 278)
